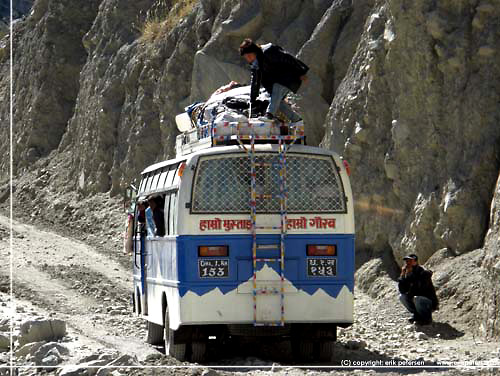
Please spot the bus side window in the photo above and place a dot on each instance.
(176, 177)
(171, 175)
(173, 214)
(166, 212)
(163, 178)
(143, 183)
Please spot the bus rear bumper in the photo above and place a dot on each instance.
(215, 307)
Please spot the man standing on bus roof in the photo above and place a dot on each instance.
(418, 294)
(278, 72)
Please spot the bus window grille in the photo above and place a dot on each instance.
(313, 185)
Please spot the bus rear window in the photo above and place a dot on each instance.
(222, 184)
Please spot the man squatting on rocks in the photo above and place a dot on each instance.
(418, 294)
(278, 72)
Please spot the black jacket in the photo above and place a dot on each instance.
(159, 219)
(419, 283)
(275, 65)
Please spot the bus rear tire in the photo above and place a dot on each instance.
(155, 333)
(303, 349)
(198, 352)
(326, 350)
(176, 350)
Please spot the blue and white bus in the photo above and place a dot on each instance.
(213, 276)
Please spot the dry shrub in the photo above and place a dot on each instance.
(160, 21)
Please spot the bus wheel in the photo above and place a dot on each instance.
(326, 350)
(198, 352)
(303, 349)
(155, 333)
(176, 350)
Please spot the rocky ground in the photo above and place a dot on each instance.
(73, 317)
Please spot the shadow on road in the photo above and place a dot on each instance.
(441, 330)
(265, 355)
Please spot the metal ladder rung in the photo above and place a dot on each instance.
(267, 259)
(268, 246)
(264, 195)
(267, 292)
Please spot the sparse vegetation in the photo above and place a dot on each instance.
(161, 19)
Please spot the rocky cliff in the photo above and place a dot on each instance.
(407, 91)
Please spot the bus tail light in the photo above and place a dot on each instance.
(347, 167)
(322, 250)
(213, 250)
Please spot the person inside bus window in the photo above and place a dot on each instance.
(150, 224)
(141, 212)
(155, 206)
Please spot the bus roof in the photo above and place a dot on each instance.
(236, 148)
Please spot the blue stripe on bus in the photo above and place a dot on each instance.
(240, 262)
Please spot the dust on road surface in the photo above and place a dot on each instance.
(55, 276)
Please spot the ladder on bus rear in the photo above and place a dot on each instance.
(254, 197)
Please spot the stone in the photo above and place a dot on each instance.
(4, 342)
(75, 370)
(421, 336)
(42, 330)
(29, 348)
(4, 325)
(50, 348)
(123, 360)
(51, 360)
(209, 372)
(89, 368)
(153, 356)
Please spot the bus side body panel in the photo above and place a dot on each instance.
(162, 278)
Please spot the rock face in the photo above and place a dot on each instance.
(406, 91)
(490, 292)
(416, 116)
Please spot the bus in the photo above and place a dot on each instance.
(256, 242)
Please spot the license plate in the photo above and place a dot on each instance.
(321, 267)
(213, 268)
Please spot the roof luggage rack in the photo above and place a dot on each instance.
(236, 133)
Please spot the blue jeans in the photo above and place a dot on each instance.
(277, 103)
(419, 306)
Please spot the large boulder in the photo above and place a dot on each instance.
(123, 360)
(42, 330)
(29, 348)
(4, 342)
(48, 349)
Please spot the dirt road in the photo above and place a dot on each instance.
(55, 276)
(70, 280)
